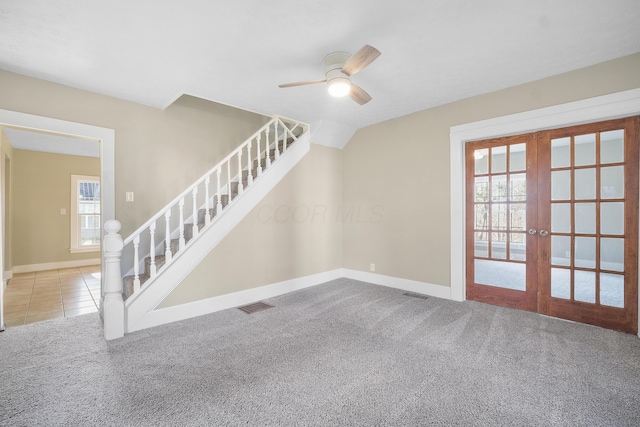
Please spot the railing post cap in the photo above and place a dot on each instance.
(112, 226)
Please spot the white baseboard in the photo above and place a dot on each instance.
(28, 268)
(424, 288)
(210, 305)
(176, 313)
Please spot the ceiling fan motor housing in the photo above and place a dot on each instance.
(334, 74)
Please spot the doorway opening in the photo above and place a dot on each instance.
(103, 137)
(605, 107)
(552, 223)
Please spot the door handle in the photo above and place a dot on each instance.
(544, 233)
(532, 231)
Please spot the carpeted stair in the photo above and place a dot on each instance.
(160, 259)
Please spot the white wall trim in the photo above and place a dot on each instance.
(163, 316)
(29, 268)
(606, 107)
(84, 250)
(425, 288)
(176, 313)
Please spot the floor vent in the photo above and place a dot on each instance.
(414, 295)
(256, 306)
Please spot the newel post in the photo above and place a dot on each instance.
(113, 308)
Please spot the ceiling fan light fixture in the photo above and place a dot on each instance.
(339, 87)
(339, 67)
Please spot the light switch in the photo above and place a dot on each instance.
(129, 196)
(63, 211)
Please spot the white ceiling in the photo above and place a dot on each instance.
(237, 52)
(24, 139)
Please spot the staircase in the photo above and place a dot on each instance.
(160, 260)
(165, 249)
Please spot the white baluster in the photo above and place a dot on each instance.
(285, 134)
(249, 165)
(259, 155)
(268, 150)
(275, 130)
(219, 205)
(194, 194)
(136, 264)
(207, 212)
(113, 305)
(240, 186)
(152, 250)
(229, 180)
(167, 236)
(181, 240)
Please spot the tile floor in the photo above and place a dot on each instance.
(45, 295)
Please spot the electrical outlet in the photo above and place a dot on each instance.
(129, 196)
(372, 267)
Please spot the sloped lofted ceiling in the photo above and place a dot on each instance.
(237, 52)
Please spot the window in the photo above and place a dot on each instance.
(85, 213)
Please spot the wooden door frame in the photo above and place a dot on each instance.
(612, 106)
(537, 295)
(522, 300)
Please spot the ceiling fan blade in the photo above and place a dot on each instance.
(308, 82)
(359, 95)
(359, 60)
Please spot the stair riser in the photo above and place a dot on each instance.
(245, 175)
(272, 155)
(263, 162)
(159, 263)
(201, 212)
(127, 289)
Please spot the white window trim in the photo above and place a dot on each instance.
(606, 107)
(75, 248)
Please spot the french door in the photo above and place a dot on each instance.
(552, 223)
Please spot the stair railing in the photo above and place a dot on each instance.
(212, 192)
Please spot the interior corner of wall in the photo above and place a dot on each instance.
(331, 134)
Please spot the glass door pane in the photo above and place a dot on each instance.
(582, 218)
(504, 206)
(586, 209)
(497, 216)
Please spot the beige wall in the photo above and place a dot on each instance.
(385, 196)
(41, 187)
(158, 153)
(293, 232)
(402, 167)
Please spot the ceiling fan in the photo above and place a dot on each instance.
(339, 67)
